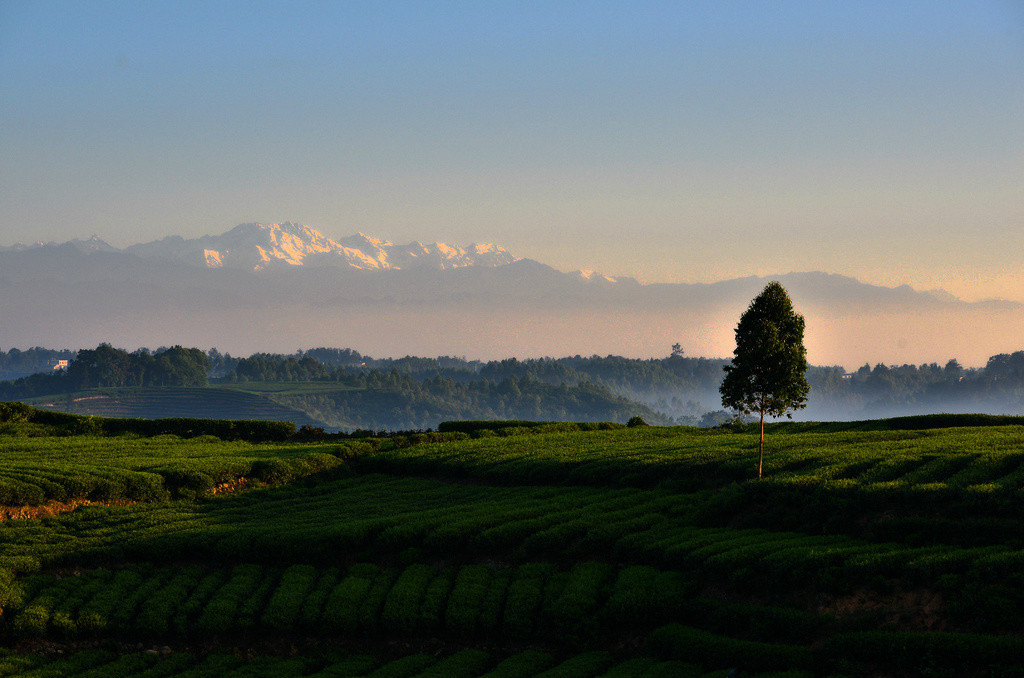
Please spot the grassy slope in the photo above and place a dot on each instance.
(311, 397)
(649, 551)
(158, 403)
(324, 404)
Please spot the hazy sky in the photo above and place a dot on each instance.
(675, 141)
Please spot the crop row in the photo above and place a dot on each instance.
(534, 601)
(27, 484)
(470, 663)
(695, 458)
(916, 515)
(380, 518)
(681, 458)
(226, 429)
(346, 518)
(673, 651)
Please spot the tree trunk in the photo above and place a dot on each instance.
(760, 449)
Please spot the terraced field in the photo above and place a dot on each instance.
(628, 552)
(162, 403)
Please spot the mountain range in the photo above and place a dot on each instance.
(281, 287)
(257, 247)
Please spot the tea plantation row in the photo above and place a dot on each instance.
(619, 552)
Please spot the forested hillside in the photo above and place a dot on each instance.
(16, 363)
(350, 390)
(686, 388)
(106, 366)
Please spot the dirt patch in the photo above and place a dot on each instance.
(52, 508)
(236, 485)
(913, 610)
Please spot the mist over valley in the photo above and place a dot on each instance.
(281, 287)
(254, 295)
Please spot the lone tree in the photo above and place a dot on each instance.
(768, 365)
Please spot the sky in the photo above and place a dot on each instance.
(668, 141)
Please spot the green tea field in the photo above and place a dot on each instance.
(890, 548)
(154, 403)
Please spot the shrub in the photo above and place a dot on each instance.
(435, 601)
(523, 665)
(187, 483)
(955, 653)
(525, 594)
(341, 610)
(465, 600)
(464, 664)
(676, 641)
(12, 412)
(284, 605)
(586, 664)
(402, 605)
(273, 471)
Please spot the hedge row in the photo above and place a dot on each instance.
(479, 429)
(535, 601)
(184, 478)
(469, 663)
(917, 516)
(185, 427)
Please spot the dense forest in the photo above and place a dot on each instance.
(395, 400)
(681, 387)
(675, 388)
(15, 363)
(108, 366)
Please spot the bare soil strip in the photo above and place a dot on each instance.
(55, 507)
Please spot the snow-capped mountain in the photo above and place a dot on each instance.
(275, 287)
(593, 276)
(93, 244)
(260, 246)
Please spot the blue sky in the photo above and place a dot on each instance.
(668, 141)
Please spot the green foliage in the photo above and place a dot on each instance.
(13, 412)
(680, 642)
(39, 469)
(342, 612)
(942, 654)
(285, 604)
(522, 665)
(474, 428)
(464, 664)
(464, 603)
(402, 606)
(766, 374)
(580, 666)
(62, 423)
(106, 366)
(405, 667)
(620, 552)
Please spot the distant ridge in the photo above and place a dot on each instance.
(162, 403)
(282, 286)
(261, 246)
(93, 244)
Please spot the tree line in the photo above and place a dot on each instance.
(106, 366)
(16, 363)
(684, 388)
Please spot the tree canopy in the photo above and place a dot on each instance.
(766, 374)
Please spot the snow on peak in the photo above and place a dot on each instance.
(588, 274)
(93, 244)
(259, 246)
(212, 259)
